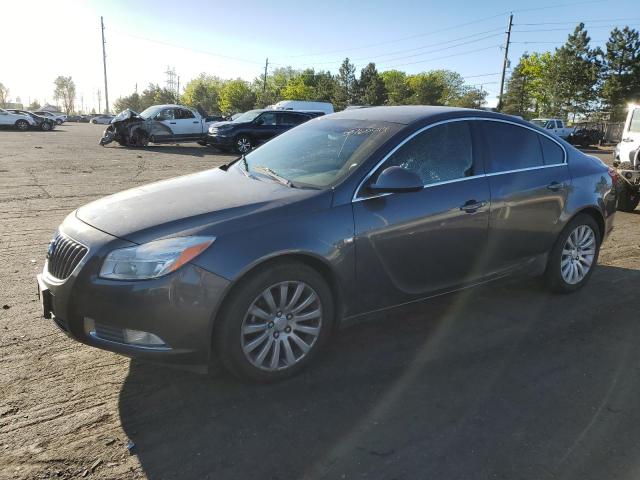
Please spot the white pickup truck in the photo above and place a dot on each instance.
(554, 125)
(626, 161)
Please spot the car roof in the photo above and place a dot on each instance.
(408, 114)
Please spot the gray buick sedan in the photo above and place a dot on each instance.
(256, 262)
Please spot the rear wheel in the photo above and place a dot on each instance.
(22, 125)
(45, 126)
(574, 255)
(275, 323)
(58, 121)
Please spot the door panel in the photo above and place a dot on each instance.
(411, 245)
(266, 127)
(186, 125)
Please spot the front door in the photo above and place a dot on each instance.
(186, 126)
(415, 244)
(265, 127)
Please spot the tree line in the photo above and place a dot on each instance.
(577, 79)
(393, 87)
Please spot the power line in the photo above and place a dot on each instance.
(561, 29)
(580, 21)
(446, 56)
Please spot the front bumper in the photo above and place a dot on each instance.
(220, 140)
(179, 308)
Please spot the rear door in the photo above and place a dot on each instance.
(414, 244)
(287, 120)
(187, 126)
(529, 181)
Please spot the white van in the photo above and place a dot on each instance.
(304, 106)
(627, 149)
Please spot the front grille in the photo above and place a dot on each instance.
(64, 255)
(107, 332)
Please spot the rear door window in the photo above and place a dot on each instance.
(438, 154)
(634, 124)
(184, 114)
(510, 147)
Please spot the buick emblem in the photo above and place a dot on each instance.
(51, 248)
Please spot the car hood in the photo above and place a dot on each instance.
(205, 203)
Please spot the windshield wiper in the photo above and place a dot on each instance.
(270, 173)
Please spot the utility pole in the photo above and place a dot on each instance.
(99, 100)
(178, 91)
(264, 81)
(505, 62)
(104, 62)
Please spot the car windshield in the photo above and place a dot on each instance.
(539, 122)
(319, 153)
(150, 112)
(247, 116)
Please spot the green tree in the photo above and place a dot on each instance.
(236, 96)
(133, 102)
(518, 98)
(436, 87)
(621, 71)
(395, 83)
(204, 92)
(371, 88)
(4, 95)
(573, 75)
(346, 91)
(65, 91)
(471, 98)
(154, 95)
(298, 88)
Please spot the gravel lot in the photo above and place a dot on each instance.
(501, 382)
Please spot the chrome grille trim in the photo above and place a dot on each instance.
(67, 254)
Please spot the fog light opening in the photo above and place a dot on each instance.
(145, 339)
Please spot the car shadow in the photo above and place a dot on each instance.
(191, 149)
(501, 381)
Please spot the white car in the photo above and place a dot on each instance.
(628, 149)
(17, 120)
(555, 125)
(59, 118)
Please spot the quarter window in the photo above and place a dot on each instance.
(634, 124)
(184, 114)
(510, 147)
(438, 154)
(551, 151)
(268, 118)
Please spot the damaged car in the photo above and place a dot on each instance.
(156, 124)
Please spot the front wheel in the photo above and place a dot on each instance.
(574, 255)
(45, 126)
(59, 122)
(22, 125)
(275, 323)
(243, 144)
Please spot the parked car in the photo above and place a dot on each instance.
(256, 262)
(303, 105)
(73, 118)
(41, 123)
(253, 128)
(627, 161)
(102, 119)
(59, 118)
(585, 135)
(158, 124)
(18, 120)
(554, 125)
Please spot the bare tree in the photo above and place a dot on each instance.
(66, 92)
(4, 95)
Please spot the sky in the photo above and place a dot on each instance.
(40, 40)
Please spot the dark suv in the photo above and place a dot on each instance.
(252, 128)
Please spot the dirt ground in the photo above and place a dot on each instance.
(503, 382)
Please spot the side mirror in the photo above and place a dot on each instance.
(397, 179)
(259, 121)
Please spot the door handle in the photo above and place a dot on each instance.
(627, 139)
(472, 206)
(195, 121)
(172, 123)
(555, 186)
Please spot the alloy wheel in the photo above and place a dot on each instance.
(22, 125)
(578, 254)
(243, 144)
(281, 326)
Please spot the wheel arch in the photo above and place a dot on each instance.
(318, 264)
(594, 213)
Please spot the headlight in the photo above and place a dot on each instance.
(153, 259)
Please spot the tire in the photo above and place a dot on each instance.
(45, 127)
(242, 144)
(58, 121)
(271, 335)
(22, 125)
(558, 274)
